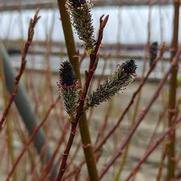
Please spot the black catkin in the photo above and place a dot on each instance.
(67, 75)
(153, 52)
(129, 67)
(69, 88)
(77, 3)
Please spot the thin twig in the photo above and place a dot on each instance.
(99, 146)
(151, 149)
(109, 134)
(150, 142)
(32, 24)
(48, 166)
(35, 131)
(140, 117)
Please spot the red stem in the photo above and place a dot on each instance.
(129, 105)
(33, 22)
(35, 131)
(140, 117)
(99, 146)
(151, 149)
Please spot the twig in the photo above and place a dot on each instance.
(150, 142)
(109, 134)
(151, 149)
(130, 103)
(160, 169)
(48, 166)
(31, 139)
(140, 117)
(74, 59)
(104, 121)
(32, 24)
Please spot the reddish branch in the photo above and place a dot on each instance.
(150, 142)
(35, 131)
(48, 166)
(89, 75)
(140, 117)
(109, 134)
(151, 149)
(160, 169)
(32, 24)
(104, 125)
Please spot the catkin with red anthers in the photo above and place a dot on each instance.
(69, 88)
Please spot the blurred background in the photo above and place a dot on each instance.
(132, 27)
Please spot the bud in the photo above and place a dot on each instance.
(153, 52)
(69, 88)
(82, 21)
(123, 76)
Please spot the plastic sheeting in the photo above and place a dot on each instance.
(126, 24)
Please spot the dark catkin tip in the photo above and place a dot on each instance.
(77, 3)
(81, 18)
(155, 44)
(129, 66)
(67, 76)
(153, 50)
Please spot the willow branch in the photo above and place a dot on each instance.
(30, 140)
(109, 134)
(140, 117)
(89, 75)
(32, 24)
(151, 149)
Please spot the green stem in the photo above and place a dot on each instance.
(83, 126)
(172, 97)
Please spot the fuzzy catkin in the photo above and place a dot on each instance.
(69, 89)
(71, 99)
(124, 75)
(81, 17)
